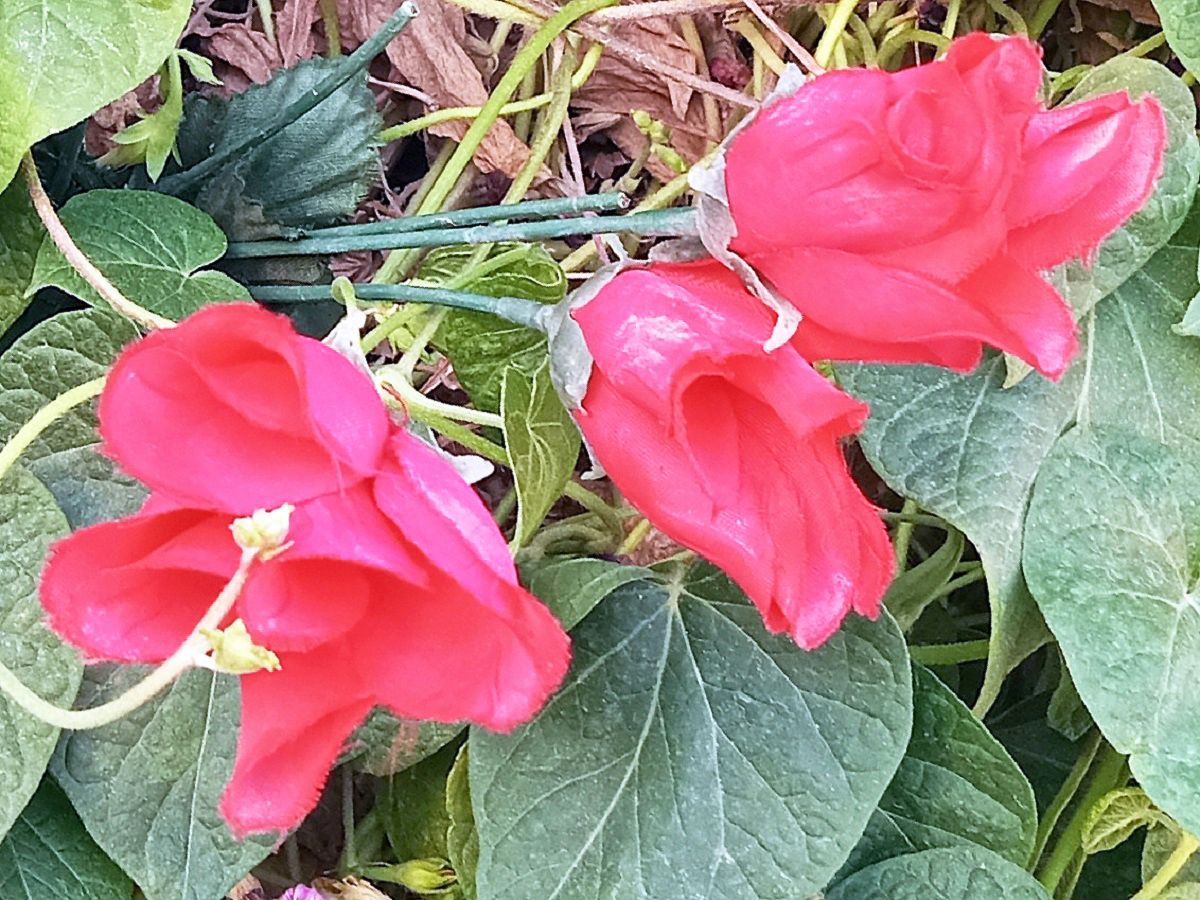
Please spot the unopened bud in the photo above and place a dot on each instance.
(421, 876)
(265, 531)
(234, 652)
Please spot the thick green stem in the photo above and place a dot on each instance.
(147, 689)
(346, 69)
(904, 532)
(522, 63)
(1108, 772)
(529, 313)
(481, 215)
(949, 654)
(1066, 792)
(659, 223)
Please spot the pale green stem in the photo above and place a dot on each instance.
(949, 654)
(147, 689)
(411, 397)
(333, 31)
(1175, 862)
(44, 418)
(635, 538)
(833, 31)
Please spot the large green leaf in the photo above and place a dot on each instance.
(147, 786)
(20, 237)
(61, 60)
(960, 873)
(49, 856)
(1181, 22)
(148, 245)
(413, 804)
(29, 521)
(481, 346)
(956, 786)
(543, 444)
(314, 172)
(690, 753)
(1111, 551)
(571, 587)
(55, 355)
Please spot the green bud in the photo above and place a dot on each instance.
(421, 876)
(265, 530)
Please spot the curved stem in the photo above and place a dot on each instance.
(635, 537)
(1070, 785)
(1107, 773)
(904, 532)
(594, 504)
(833, 31)
(44, 418)
(914, 518)
(1175, 862)
(411, 397)
(148, 688)
(76, 258)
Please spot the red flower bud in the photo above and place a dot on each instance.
(730, 450)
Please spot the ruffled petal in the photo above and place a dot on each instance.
(233, 411)
(134, 589)
(295, 722)
(1088, 167)
(474, 645)
(320, 587)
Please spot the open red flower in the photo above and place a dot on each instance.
(908, 215)
(397, 589)
(730, 450)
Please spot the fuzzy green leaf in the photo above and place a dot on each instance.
(49, 856)
(20, 237)
(691, 753)
(960, 873)
(543, 444)
(571, 587)
(148, 245)
(462, 840)
(29, 521)
(147, 786)
(61, 60)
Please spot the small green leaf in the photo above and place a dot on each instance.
(148, 245)
(462, 840)
(414, 809)
(29, 521)
(20, 237)
(915, 588)
(147, 786)
(481, 346)
(61, 60)
(691, 753)
(49, 856)
(543, 444)
(955, 786)
(1115, 817)
(571, 587)
(314, 172)
(52, 357)
(959, 873)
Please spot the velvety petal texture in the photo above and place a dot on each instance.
(908, 216)
(396, 588)
(730, 450)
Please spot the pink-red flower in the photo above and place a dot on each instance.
(732, 451)
(908, 215)
(397, 589)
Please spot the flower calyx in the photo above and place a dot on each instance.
(235, 653)
(264, 531)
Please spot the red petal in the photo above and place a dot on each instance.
(233, 411)
(1089, 166)
(294, 724)
(320, 587)
(474, 645)
(740, 441)
(134, 589)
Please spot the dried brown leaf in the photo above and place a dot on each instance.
(430, 55)
(349, 889)
(245, 55)
(1141, 10)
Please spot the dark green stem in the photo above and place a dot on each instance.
(480, 215)
(915, 518)
(346, 69)
(1066, 792)
(529, 313)
(665, 222)
(1108, 772)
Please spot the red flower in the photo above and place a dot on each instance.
(907, 216)
(398, 590)
(730, 450)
